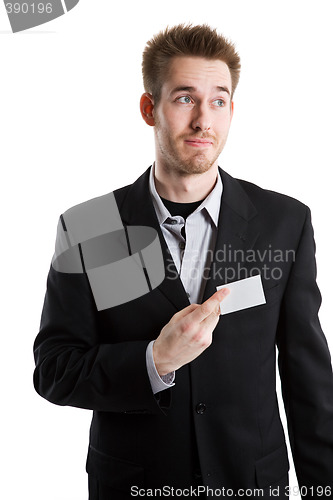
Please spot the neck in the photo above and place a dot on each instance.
(184, 189)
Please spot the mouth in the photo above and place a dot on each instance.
(199, 143)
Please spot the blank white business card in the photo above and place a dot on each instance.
(243, 294)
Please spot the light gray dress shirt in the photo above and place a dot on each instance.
(192, 257)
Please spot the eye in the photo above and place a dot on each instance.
(184, 99)
(219, 103)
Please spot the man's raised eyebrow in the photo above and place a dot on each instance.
(223, 89)
(183, 88)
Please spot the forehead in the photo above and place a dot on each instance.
(197, 72)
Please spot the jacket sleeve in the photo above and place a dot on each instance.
(306, 371)
(74, 368)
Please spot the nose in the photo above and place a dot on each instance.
(201, 120)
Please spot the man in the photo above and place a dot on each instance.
(176, 405)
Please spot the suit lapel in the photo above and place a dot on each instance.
(137, 209)
(234, 233)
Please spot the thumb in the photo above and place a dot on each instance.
(225, 292)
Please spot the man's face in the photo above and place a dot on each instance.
(193, 116)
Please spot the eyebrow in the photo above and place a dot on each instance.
(183, 88)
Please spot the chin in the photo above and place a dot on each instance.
(198, 166)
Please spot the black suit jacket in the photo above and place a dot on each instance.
(224, 403)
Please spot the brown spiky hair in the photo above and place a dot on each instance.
(185, 40)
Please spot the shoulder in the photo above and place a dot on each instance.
(94, 217)
(272, 202)
(99, 204)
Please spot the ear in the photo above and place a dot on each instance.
(147, 108)
(231, 110)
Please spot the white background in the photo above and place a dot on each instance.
(71, 130)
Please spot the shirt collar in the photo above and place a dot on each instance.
(211, 203)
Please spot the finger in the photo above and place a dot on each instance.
(211, 321)
(209, 306)
(183, 312)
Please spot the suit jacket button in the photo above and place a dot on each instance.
(200, 408)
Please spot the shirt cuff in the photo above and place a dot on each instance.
(157, 383)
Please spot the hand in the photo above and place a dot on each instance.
(188, 334)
